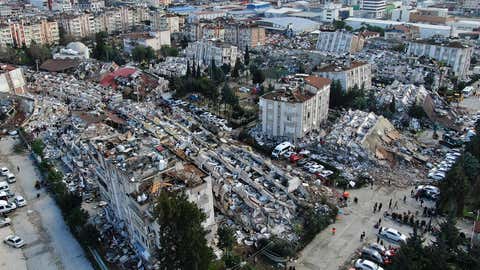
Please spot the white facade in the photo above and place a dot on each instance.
(454, 55)
(375, 8)
(339, 41)
(155, 40)
(355, 73)
(202, 53)
(292, 113)
(12, 81)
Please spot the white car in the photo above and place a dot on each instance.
(20, 201)
(4, 171)
(5, 221)
(326, 173)
(11, 178)
(393, 235)
(362, 264)
(14, 241)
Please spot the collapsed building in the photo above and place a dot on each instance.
(368, 136)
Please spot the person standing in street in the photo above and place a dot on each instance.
(334, 230)
(390, 204)
(375, 208)
(380, 207)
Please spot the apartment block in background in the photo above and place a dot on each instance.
(453, 53)
(202, 53)
(339, 42)
(244, 34)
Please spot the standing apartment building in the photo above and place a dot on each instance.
(349, 73)
(374, 8)
(453, 53)
(202, 52)
(339, 42)
(245, 34)
(295, 109)
(24, 33)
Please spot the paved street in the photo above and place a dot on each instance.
(328, 252)
(49, 244)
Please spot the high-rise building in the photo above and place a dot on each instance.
(374, 8)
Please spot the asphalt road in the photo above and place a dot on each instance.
(49, 243)
(329, 252)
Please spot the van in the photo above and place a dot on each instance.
(281, 149)
(4, 186)
(6, 207)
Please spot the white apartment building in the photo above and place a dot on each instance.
(78, 26)
(374, 8)
(454, 54)
(155, 40)
(296, 109)
(130, 194)
(349, 74)
(339, 42)
(202, 53)
(160, 21)
(243, 35)
(6, 38)
(473, 5)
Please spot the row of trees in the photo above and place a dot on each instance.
(24, 55)
(358, 99)
(449, 251)
(69, 203)
(461, 186)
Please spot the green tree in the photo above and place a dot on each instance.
(141, 53)
(258, 76)
(38, 51)
(450, 235)
(246, 56)
(471, 166)
(236, 69)
(411, 255)
(453, 190)
(226, 238)
(168, 51)
(38, 146)
(183, 238)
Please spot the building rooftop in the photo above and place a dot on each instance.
(442, 42)
(338, 67)
(293, 90)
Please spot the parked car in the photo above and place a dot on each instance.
(14, 241)
(4, 171)
(295, 158)
(6, 207)
(20, 201)
(288, 154)
(362, 264)
(302, 161)
(372, 255)
(11, 178)
(5, 221)
(325, 173)
(392, 235)
(386, 253)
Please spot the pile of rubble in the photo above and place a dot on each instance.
(367, 136)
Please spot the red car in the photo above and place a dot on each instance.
(295, 157)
